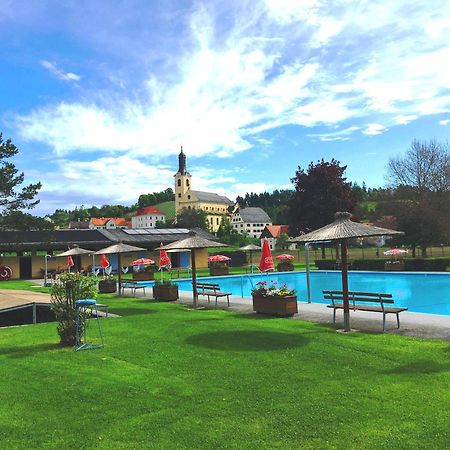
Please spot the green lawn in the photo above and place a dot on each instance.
(168, 208)
(172, 377)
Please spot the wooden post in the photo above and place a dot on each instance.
(194, 278)
(345, 285)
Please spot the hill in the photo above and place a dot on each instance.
(168, 208)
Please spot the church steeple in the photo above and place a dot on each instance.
(182, 163)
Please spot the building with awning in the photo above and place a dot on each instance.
(25, 251)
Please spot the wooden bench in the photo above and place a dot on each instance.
(133, 287)
(358, 302)
(212, 290)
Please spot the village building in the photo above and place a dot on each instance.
(272, 233)
(147, 217)
(214, 205)
(250, 221)
(108, 223)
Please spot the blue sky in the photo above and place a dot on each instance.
(100, 95)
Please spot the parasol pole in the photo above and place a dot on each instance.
(194, 278)
(345, 285)
(119, 271)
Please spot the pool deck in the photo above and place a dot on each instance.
(429, 326)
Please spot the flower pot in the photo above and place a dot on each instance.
(394, 266)
(276, 305)
(107, 286)
(143, 276)
(165, 293)
(285, 266)
(215, 271)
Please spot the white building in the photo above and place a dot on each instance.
(108, 223)
(147, 217)
(250, 220)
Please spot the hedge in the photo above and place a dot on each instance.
(412, 265)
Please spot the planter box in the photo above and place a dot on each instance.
(107, 286)
(395, 266)
(285, 267)
(143, 276)
(275, 306)
(215, 271)
(165, 293)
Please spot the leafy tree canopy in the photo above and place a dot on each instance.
(320, 191)
(192, 218)
(14, 196)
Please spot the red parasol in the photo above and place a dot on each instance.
(70, 262)
(104, 261)
(218, 258)
(395, 252)
(164, 260)
(266, 261)
(284, 256)
(142, 262)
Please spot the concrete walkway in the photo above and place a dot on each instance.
(429, 326)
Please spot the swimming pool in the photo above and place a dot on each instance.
(421, 292)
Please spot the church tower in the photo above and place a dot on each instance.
(182, 181)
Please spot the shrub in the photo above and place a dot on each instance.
(69, 288)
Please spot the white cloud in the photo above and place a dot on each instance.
(64, 76)
(404, 120)
(277, 63)
(444, 122)
(373, 129)
(339, 135)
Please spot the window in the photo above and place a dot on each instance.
(217, 221)
(179, 195)
(189, 197)
(189, 207)
(179, 182)
(187, 183)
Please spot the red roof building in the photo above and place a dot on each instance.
(147, 217)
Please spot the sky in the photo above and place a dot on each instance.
(100, 96)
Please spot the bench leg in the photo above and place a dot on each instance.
(384, 322)
(215, 306)
(228, 300)
(334, 316)
(398, 321)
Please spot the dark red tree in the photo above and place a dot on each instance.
(319, 192)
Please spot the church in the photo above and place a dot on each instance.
(215, 206)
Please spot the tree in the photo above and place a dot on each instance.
(319, 193)
(13, 196)
(425, 167)
(18, 220)
(192, 218)
(422, 186)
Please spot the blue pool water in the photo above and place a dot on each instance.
(419, 291)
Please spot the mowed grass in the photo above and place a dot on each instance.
(172, 377)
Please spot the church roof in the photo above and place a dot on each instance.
(254, 214)
(211, 197)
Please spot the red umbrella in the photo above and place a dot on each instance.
(70, 262)
(218, 258)
(164, 260)
(104, 261)
(395, 252)
(142, 262)
(266, 261)
(284, 256)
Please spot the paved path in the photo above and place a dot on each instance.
(10, 298)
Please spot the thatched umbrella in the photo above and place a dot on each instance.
(119, 249)
(341, 230)
(192, 243)
(250, 248)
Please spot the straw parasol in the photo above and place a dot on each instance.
(76, 251)
(341, 230)
(192, 243)
(119, 249)
(250, 248)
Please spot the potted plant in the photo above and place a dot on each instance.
(274, 300)
(145, 274)
(165, 290)
(394, 265)
(285, 266)
(218, 268)
(107, 285)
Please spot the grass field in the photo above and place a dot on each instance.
(168, 208)
(172, 377)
